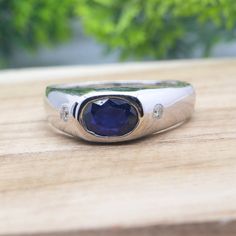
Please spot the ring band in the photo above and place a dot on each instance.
(118, 111)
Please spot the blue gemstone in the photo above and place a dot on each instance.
(110, 117)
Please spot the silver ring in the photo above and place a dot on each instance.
(118, 111)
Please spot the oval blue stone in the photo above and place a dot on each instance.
(110, 117)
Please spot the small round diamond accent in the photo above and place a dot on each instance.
(158, 111)
(64, 112)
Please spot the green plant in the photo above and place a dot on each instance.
(29, 23)
(159, 28)
(138, 28)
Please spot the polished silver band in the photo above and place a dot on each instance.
(158, 105)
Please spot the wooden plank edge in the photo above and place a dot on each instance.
(223, 228)
(63, 72)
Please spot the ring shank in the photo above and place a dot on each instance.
(176, 97)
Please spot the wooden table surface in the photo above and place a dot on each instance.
(179, 181)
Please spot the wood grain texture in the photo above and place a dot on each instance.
(182, 181)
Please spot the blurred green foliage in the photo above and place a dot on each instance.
(159, 28)
(30, 23)
(137, 28)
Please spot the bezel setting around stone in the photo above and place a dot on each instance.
(110, 116)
